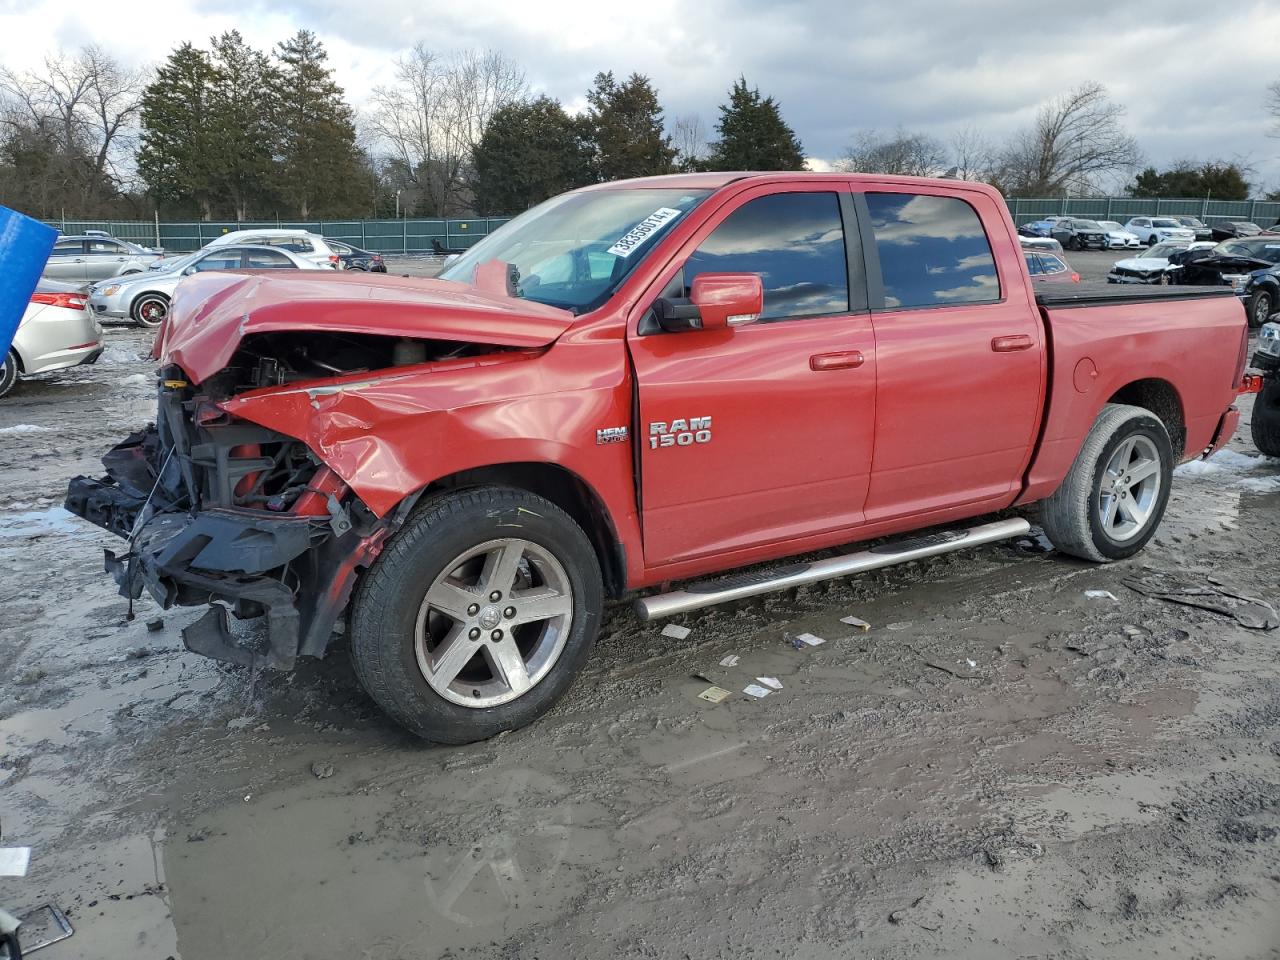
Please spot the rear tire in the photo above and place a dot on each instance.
(434, 648)
(1115, 493)
(1265, 423)
(8, 373)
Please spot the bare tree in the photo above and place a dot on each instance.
(1077, 140)
(430, 120)
(972, 154)
(1273, 107)
(689, 137)
(87, 103)
(901, 153)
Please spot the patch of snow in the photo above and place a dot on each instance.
(139, 378)
(1234, 469)
(23, 428)
(33, 523)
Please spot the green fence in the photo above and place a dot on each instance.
(415, 236)
(1262, 212)
(407, 236)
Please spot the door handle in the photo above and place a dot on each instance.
(1020, 341)
(842, 360)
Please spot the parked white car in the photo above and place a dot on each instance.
(56, 331)
(1118, 238)
(1158, 229)
(310, 246)
(144, 298)
(1152, 266)
(1040, 243)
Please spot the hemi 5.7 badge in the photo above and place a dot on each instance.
(680, 432)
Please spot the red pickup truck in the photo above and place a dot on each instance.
(632, 384)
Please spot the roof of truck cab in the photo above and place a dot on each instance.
(714, 181)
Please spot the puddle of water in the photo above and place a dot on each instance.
(444, 871)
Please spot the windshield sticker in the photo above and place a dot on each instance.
(642, 231)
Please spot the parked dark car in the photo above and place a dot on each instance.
(353, 258)
(1202, 230)
(1079, 234)
(1049, 267)
(1230, 229)
(1235, 263)
(1262, 295)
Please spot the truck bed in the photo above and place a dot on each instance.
(1060, 296)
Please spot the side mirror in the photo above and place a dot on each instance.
(189, 271)
(717, 301)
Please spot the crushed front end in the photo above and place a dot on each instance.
(225, 512)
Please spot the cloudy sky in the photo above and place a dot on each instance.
(1192, 74)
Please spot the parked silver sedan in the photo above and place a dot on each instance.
(56, 331)
(94, 257)
(144, 299)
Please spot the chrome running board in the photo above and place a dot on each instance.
(708, 593)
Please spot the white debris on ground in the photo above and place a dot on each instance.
(1235, 469)
(23, 428)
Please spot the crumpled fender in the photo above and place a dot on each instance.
(393, 432)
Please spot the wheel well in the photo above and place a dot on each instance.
(1160, 397)
(567, 491)
(17, 358)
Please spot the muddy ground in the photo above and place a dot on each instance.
(1001, 767)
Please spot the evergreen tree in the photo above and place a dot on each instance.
(1218, 180)
(241, 124)
(753, 135)
(626, 129)
(529, 152)
(176, 147)
(320, 169)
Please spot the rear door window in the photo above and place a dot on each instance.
(1052, 264)
(264, 259)
(933, 251)
(794, 242)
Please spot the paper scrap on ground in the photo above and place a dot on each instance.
(809, 639)
(855, 622)
(714, 694)
(755, 690)
(675, 631)
(772, 682)
(1100, 595)
(730, 661)
(14, 860)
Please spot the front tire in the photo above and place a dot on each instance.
(1115, 493)
(1265, 422)
(478, 615)
(150, 309)
(8, 373)
(1261, 306)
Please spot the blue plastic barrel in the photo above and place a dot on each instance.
(25, 245)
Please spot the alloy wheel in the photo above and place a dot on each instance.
(1130, 489)
(493, 623)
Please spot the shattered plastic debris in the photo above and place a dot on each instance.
(772, 682)
(714, 694)
(855, 622)
(1247, 611)
(730, 661)
(809, 640)
(1100, 595)
(14, 861)
(755, 690)
(675, 631)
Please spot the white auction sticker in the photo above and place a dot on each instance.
(633, 238)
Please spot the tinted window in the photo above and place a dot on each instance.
(1052, 264)
(222, 260)
(67, 248)
(261, 259)
(794, 241)
(341, 249)
(1034, 266)
(933, 251)
(104, 246)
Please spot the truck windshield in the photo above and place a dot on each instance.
(574, 250)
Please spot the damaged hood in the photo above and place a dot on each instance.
(212, 312)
